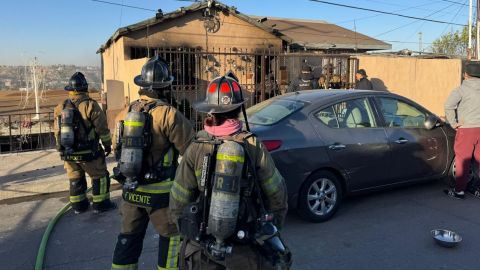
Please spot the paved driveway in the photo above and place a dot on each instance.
(386, 230)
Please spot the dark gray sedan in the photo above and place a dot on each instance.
(328, 144)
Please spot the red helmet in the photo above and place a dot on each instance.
(224, 94)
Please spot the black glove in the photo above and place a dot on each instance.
(108, 150)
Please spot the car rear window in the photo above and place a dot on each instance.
(272, 111)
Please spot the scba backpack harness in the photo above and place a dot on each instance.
(142, 184)
(76, 144)
(230, 210)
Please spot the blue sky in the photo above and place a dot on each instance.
(70, 31)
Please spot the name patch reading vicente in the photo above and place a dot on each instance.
(144, 199)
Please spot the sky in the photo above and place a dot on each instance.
(71, 31)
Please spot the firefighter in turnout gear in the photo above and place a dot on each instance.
(79, 124)
(228, 198)
(150, 135)
(304, 82)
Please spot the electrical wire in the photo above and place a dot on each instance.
(377, 15)
(457, 3)
(423, 23)
(122, 5)
(454, 17)
(385, 12)
(408, 24)
(397, 5)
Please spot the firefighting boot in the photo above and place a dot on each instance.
(78, 198)
(81, 207)
(101, 195)
(104, 206)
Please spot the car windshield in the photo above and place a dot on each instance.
(272, 111)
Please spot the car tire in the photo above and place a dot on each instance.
(450, 178)
(320, 197)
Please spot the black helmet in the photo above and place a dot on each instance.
(224, 94)
(472, 68)
(77, 83)
(154, 74)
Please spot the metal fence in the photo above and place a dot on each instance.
(262, 73)
(25, 132)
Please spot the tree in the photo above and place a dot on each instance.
(453, 43)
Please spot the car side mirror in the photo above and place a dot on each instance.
(432, 121)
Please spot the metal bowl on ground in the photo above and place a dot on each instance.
(446, 238)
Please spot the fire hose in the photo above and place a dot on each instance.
(48, 231)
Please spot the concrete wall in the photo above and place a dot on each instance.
(426, 81)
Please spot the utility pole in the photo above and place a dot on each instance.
(420, 43)
(469, 51)
(477, 19)
(355, 29)
(35, 88)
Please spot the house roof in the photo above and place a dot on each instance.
(316, 34)
(304, 33)
(181, 12)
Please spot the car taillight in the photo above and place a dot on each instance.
(272, 144)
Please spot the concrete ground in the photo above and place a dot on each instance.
(385, 230)
(25, 176)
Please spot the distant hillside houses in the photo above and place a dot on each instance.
(48, 77)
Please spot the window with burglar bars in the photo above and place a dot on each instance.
(262, 73)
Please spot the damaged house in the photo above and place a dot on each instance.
(209, 38)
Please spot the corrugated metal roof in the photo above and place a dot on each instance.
(304, 33)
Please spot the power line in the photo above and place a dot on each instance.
(385, 12)
(457, 3)
(453, 19)
(369, 17)
(423, 23)
(122, 5)
(410, 23)
(407, 7)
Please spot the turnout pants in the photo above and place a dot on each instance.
(467, 145)
(133, 228)
(193, 257)
(97, 170)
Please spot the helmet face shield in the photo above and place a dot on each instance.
(224, 94)
(154, 74)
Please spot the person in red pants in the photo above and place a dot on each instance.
(462, 110)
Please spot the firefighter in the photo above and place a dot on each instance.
(304, 82)
(226, 190)
(150, 135)
(79, 125)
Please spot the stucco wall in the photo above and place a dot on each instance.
(426, 81)
(189, 31)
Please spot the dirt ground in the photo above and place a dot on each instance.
(15, 102)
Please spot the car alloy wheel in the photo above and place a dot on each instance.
(472, 175)
(319, 196)
(322, 196)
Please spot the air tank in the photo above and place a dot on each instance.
(67, 134)
(131, 158)
(225, 199)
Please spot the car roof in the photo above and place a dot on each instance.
(320, 97)
(312, 96)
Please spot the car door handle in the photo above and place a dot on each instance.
(401, 141)
(337, 147)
